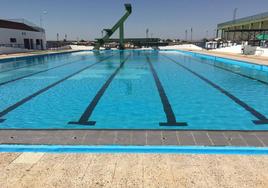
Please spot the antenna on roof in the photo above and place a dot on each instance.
(41, 17)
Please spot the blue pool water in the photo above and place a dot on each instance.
(132, 90)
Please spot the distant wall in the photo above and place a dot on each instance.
(265, 52)
(182, 46)
(254, 50)
(231, 49)
(80, 47)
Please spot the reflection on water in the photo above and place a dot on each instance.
(23, 62)
(252, 73)
(128, 85)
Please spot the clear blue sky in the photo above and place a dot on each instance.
(164, 18)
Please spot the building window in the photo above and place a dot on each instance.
(13, 40)
(37, 42)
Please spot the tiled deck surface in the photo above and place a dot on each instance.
(121, 137)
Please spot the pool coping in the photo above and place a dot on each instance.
(135, 138)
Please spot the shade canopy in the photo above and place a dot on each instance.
(262, 36)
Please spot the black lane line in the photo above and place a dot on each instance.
(28, 75)
(84, 119)
(171, 118)
(261, 118)
(26, 99)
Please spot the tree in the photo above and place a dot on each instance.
(168, 40)
(205, 40)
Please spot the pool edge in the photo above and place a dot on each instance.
(225, 150)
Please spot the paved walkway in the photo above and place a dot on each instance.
(132, 170)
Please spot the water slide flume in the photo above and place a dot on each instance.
(119, 25)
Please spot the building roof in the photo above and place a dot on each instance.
(17, 25)
(254, 18)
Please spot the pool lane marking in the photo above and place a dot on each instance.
(84, 119)
(32, 74)
(171, 118)
(262, 119)
(26, 99)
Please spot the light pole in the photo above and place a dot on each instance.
(41, 18)
(234, 14)
(58, 39)
(191, 34)
(147, 33)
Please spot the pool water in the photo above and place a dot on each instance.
(130, 89)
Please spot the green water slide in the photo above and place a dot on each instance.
(119, 25)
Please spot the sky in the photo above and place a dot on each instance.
(84, 19)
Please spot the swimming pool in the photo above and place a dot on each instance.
(132, 89)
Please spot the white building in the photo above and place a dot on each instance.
(20, 34)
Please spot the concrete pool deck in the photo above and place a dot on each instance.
(132, 170)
